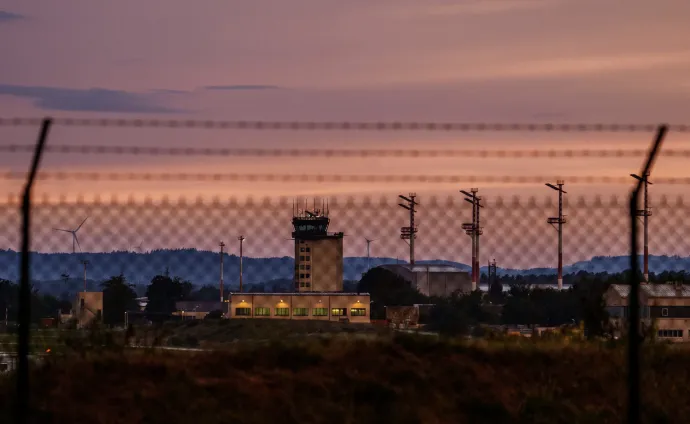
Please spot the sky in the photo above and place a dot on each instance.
(461, 61)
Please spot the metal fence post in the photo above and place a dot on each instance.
(634, 297)
(24, 316)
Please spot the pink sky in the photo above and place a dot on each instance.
(463, 61)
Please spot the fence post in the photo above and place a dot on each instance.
(634, 297)
(24, 316)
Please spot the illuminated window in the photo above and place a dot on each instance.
(320, 312)
(671, 333)
(301, 249)
(282, 312)
(242, 312)
(358, 312)
(262, 312)
(300, 312)
(339, 312)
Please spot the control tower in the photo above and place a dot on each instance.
(318, 253)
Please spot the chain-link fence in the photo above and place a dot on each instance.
(211, 244)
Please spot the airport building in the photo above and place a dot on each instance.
(433, 280)
(331, 306)
(664, 310)
(318, 253)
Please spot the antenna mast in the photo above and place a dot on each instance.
(560, 220)
(409, 233)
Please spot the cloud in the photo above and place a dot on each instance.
(242, 87)
(9, 16)
(92, 100)
(487, 7)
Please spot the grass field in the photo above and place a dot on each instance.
(383, 379)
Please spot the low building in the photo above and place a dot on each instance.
(88, 307)
(407, 316)
(433, 280)
(328, 306)
(190, 309)
(664, 309)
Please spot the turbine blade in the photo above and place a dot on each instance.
(60, 229)
(82, 223)
(77, 240)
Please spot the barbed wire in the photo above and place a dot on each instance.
(352, 153)
(325, 178)
(341, 125)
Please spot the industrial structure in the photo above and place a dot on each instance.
(645, 214)
(318, 253)
(557, 222)
(409, 232)
(330, 306)
(433, 280)
(664, 310)
(88, 308)
(492, 274)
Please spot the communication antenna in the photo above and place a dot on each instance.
(474, 230)
(557, 222)
(409, 233)
(645, 214)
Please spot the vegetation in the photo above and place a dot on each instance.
(403, 379)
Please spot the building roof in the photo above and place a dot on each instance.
(198, 306)
(655, 290)
(302, 294)
(423, 268)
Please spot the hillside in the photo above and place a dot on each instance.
(201, 267)
(407, 380)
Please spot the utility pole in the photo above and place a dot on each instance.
(241, 239)
(645, 214)
(222, 245)
(493, 274)
(474, 230)
(560, 220)
(409, 233)
(85, 263)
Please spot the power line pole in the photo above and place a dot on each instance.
(560, 220)
(241, 239)
(645, 214)
(474, 230)
(222, 245)
(85, 263)
(409, 233)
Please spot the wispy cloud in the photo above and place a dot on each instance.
(93, 99)
(9, 16)
(242, 87)
(488, 7)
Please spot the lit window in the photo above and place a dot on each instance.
(339, 312)
(320, 312)
(243, 312)
(300, 312)
(282, 312)
(358, 312)
(301, 249)
(262, 312)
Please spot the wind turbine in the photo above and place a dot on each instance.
(369, 241)
(74, 235)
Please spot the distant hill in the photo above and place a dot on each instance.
(202, 267)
